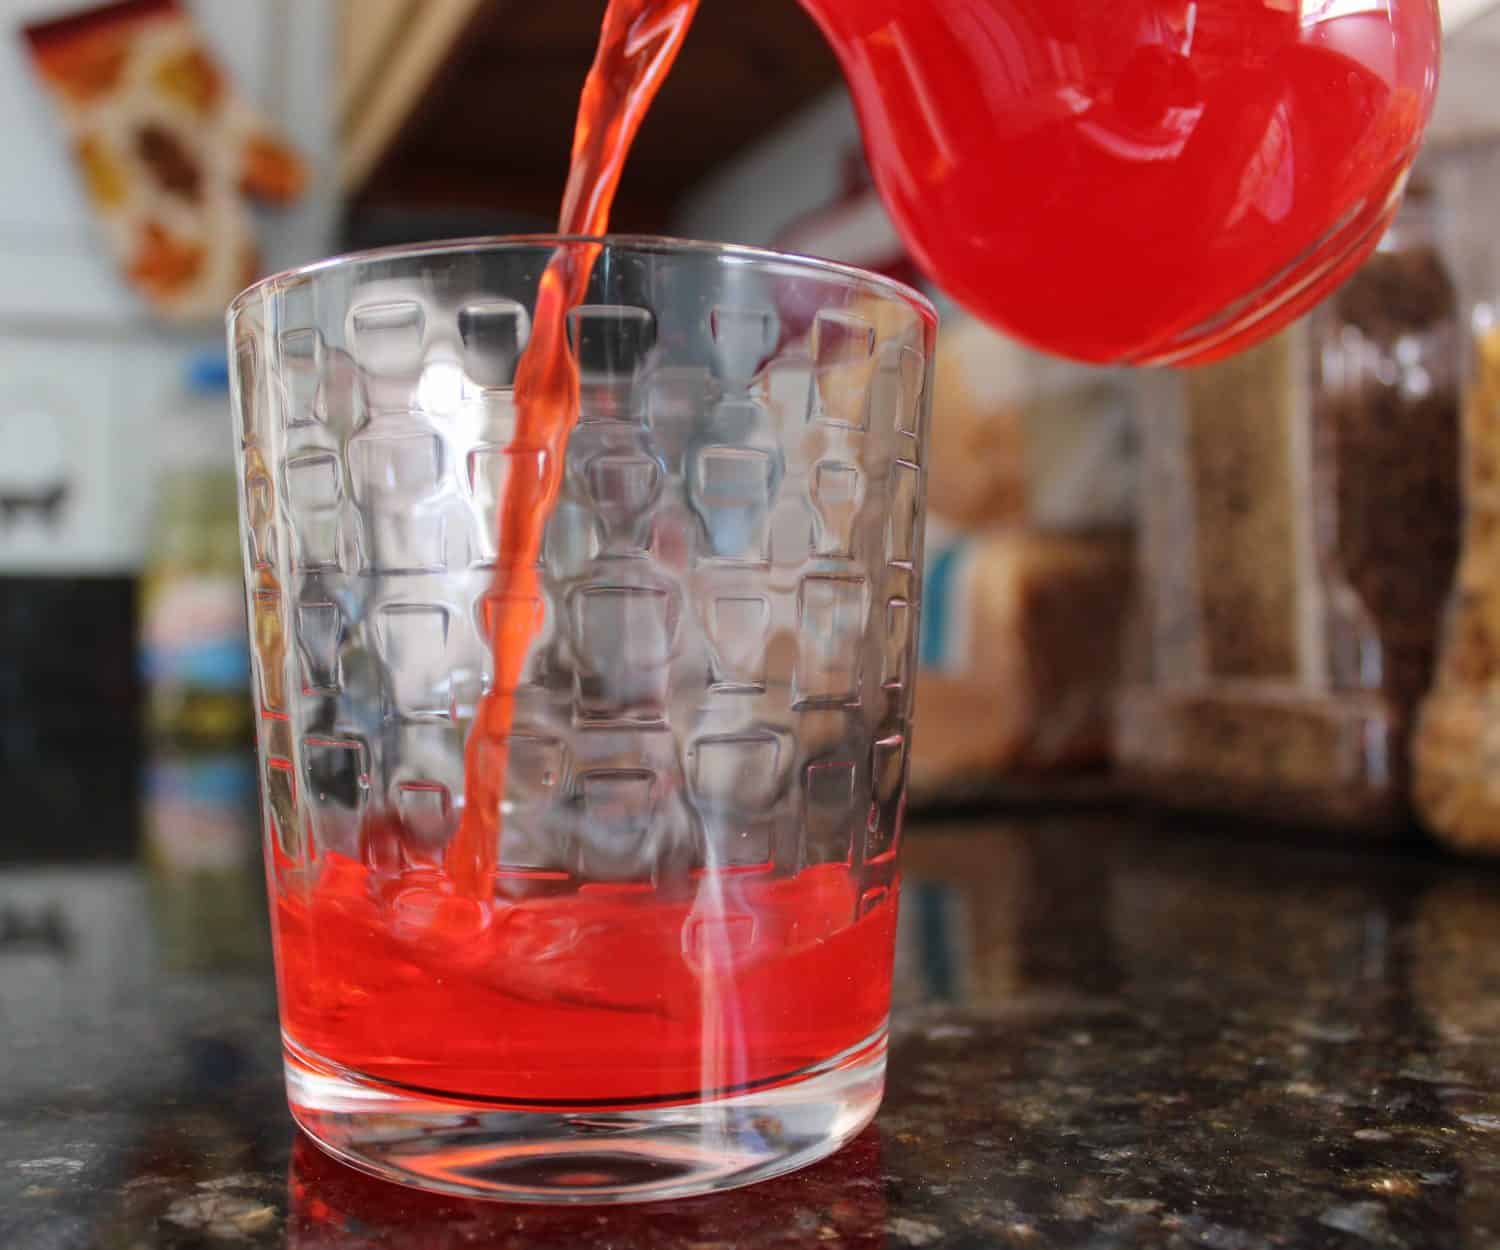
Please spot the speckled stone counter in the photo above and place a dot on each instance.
(1106, 1034)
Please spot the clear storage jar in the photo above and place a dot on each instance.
(1297, 535)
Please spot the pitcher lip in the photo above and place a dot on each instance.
(273, 283)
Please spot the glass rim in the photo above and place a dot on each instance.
(273, 284)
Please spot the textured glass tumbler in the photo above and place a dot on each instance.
(680, 978)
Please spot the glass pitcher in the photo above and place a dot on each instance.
(1139, 181)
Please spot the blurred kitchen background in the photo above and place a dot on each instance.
(1268, 589)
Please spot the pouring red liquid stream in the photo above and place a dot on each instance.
(637, 45)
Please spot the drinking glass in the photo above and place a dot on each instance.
(676, 978)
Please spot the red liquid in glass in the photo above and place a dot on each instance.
(1138, 180)
(610, 994)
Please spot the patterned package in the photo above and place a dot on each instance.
(167, 148)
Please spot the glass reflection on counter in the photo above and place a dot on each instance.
(839, 1202)
(992, 913)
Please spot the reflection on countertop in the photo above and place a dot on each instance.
(1106, 1034)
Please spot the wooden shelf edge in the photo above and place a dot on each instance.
(393, 50)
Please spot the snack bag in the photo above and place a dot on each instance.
(167, 149)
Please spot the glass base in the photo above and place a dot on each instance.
(480, 1150)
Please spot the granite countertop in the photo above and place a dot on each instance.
(1106, 1034)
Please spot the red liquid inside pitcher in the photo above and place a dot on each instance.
(1147, 181)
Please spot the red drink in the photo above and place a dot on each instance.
(606, 994)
